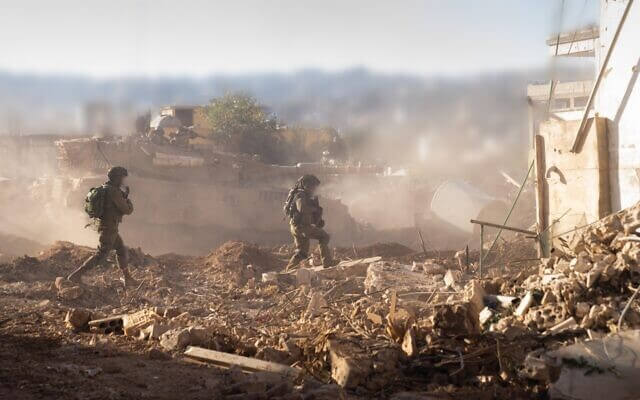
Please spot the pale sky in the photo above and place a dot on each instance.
(197, 37)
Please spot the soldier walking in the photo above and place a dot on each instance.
(305, 221)
(116, 204)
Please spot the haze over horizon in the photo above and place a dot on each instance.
(199, 38)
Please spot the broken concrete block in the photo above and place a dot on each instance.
(107, 325)
(547, 279)
(593, 275)
(485, 315)
(349, 368)
(200, 336)
(409, 345)
(153, 331)
(450, 278)
(70, 293)
(303, 276)
(381, 276)
(616, 356)
(346, 269)
(132, 323)
(77, 319)
(474, 294)
(452, 320)
(175, 339)
(316, 305)
(525, 304)
(505, 301)
(582, 263)
(545, 317)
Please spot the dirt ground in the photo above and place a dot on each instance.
(398, 324)
(222, 292)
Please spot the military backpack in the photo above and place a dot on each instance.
(94, 201)
(290, 209)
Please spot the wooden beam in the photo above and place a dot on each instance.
(484, 223)
(246, 363)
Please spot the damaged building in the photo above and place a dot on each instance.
(585, 149)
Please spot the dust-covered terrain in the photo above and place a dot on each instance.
(387, 322)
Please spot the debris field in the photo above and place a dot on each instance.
(387, 322)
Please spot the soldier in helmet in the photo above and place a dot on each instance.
(116, 204)
(305, 220)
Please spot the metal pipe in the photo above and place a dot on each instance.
(481, 247)
(473, 221)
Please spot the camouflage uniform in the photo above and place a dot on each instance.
(306, 226)
(116, 204)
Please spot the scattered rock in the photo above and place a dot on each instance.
(78, 319)
(175, 339)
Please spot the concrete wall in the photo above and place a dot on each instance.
(577, 183)
(618, 100)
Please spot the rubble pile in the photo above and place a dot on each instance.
(376, 327)
(588, 286)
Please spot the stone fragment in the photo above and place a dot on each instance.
(316, 305)
(545, 317)
(77, 319)
(485, 315)
(547, 279)
(450, 278)
(303, 276)
(71, 293)
(153, 331)
(375, 318)
(474, 294)
(452, 320)
(525, 303)
(200, 336)
(593, 275)
(349, 368)
(582, 309)
(175, 339)
(409, 345)
(132, 323)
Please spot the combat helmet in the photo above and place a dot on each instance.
(308, 181)
(116, 173)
